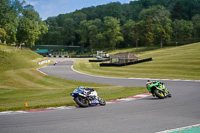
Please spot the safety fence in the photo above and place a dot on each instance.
(43, 62)
(124, 64)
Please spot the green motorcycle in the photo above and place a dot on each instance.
(158, 89)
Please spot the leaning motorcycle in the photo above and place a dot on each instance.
(158, 89)
(85, 97)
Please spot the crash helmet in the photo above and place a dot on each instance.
(148, 83)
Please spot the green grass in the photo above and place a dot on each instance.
(20, 82)
(181, 62)
(41, 91)
(134, 50)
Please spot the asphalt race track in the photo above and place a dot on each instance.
(147, 115)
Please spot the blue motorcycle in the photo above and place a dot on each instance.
(85, 97)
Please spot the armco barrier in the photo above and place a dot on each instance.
(124, 64)
(100, 60)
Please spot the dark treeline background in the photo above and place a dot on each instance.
(20, 23)
(115, 25)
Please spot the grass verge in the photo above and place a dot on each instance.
(172, 63)
(20, 82)
(41, 91)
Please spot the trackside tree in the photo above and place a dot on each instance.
(20, 23)
(157, 25)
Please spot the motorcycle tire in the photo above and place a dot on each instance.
(169, 95)
(159, 94)
(102, 102)
(81, 101)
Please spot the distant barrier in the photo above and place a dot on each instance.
(69, 56)
(81, 56)
(124, 64)
(43, 62)
(99, 60)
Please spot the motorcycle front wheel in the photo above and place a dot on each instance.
(169, 95)
(81, 101)
(102, 102)
(159, 94)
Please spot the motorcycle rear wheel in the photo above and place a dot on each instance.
(81, 101)
(159, 94)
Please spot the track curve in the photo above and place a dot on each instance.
(147, 115)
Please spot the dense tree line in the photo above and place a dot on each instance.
(116, 25)
(111, 26)
(20, 23)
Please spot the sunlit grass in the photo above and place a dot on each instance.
(172, 63)
(41, 91)
(20, 82)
